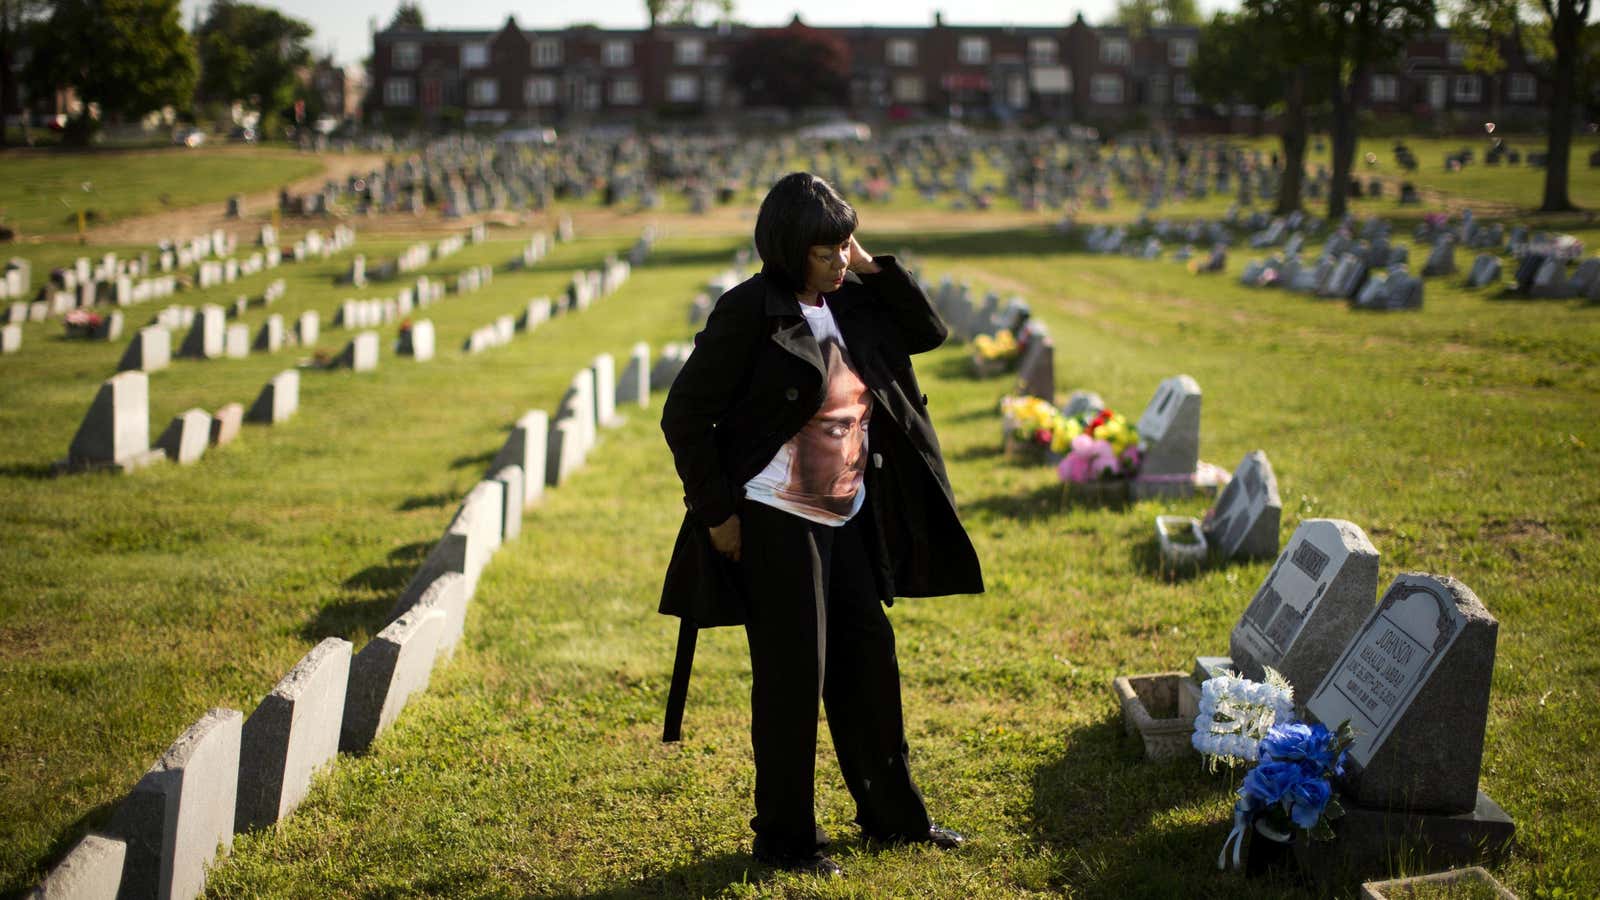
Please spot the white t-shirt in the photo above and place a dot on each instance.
(817, 474)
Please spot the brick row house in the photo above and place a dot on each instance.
(1072, 73)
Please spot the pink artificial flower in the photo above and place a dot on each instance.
(1132, 456)
(1104, 460)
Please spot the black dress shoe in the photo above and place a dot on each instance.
(813, 863)
(937, 835)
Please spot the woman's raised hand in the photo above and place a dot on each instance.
(860, 259)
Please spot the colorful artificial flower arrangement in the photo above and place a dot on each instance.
(1291, 785)
(1031, 420)
(1002, 347)
(82, 322)
(1098, 446)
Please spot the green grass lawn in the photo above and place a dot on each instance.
(41, 192)
(1462, 438)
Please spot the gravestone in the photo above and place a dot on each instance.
(1083, 402)
(361, 354)
(151, 349)
(578, 403)
(92, 869)
(186, 438)
(181, 811)
(115, 433)
(1585, 277)
(10, 339)
(563, 453)
(604, 391)
(389, 669)
(417, 341)
(278, 400)
(1314, 598)
(207, 334)
(1414, 682)
(538, 312)
(236, 341)
(1485, 271)
(226, 423)
(308, 328)
(525, 448)
(1244, 522)
(510, 479)
(1036, 373)
(270, 338)
(1169, 433)
(449, 594)
(466, 546)
(634, 386)
(292, 734)
(1441, 259)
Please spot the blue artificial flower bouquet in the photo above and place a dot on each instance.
(1291, 786)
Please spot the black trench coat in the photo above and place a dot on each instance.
(756, 376)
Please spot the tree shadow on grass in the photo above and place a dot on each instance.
(704, 878)
(975, 453)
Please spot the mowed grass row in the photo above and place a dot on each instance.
(1461, 438)
(42, 191)
(132, 604)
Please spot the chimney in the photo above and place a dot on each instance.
(938, 19)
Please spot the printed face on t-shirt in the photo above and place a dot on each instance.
(829, 455)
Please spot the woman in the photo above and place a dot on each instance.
(816, 494)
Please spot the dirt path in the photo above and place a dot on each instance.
(197, 219)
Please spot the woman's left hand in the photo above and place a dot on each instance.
(860, 259)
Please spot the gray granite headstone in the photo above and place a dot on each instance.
(1316, 596)
(450, 594)
(1244, 522)
(1414, 683)
(90, 871)
(292, 734)
(525, 449)
(634, 385)
(578, 403)
(469, 541)
(187, 437)
(181, 811)
(361, 354)
(665, 371)
(389, 669)
(1083, 402)
(510, 479)
(1169, 428)
(116, 431)
(225, 424)
(278, 400)
(1036, 373)
(207, 333)
(1485, 270)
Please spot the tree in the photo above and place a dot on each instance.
(408, 16)
(252, 54)
(1139, 16)
(1362, 34)
(683, 12)
(1552, 32)
(15, 17)
(792, 67)
(127, 57)
(1281, 41)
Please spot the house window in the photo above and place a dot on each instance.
(690, 52)
(1183, 90)
(908, 89)
(484, 92)
(900, 52)
(1106, 89)
(398, 92)
(625, 92)
(589, 96)
(1114, 51)
(1457, 52)
(547, 52)
(474, 56)
(1156, 90)
(1180, 52)
(1385, 88)
(540, 91)
(1042, 51)
(1017, 92)
(973, 51)
(683, 89)
(405, 56)
(1467, 89)
(616, 53)
(1524, 87)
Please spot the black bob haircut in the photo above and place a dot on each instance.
(801, 211)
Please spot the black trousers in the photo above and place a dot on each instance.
(818, 630)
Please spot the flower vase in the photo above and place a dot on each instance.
(1268, 850)
(1100, 492)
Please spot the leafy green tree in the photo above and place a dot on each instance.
(408, 15)
(792, 67)
(1279, 43)
(1554, 33)
(684, 12)
(127, 57)
(253, 54)
(1139, 16)
(15, 15)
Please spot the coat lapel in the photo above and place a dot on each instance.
(795, 336)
